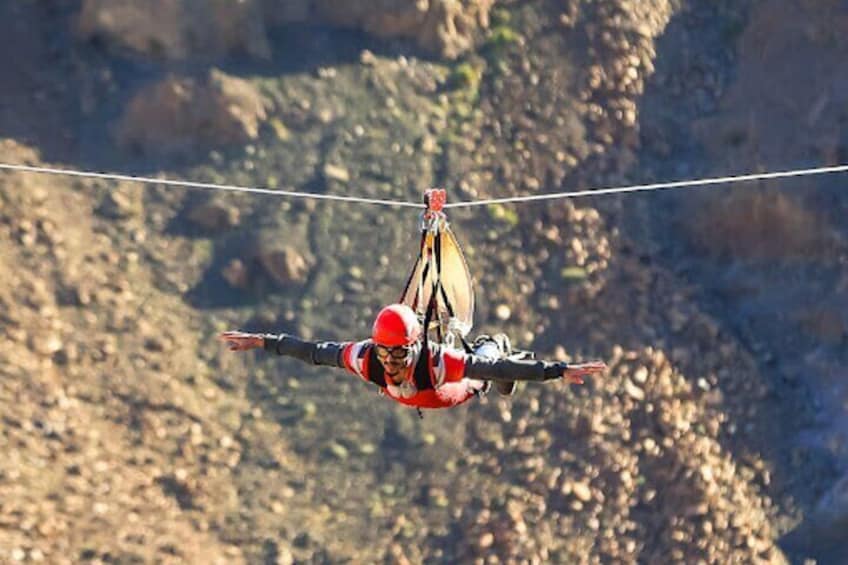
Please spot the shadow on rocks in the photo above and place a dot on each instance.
(822, 535)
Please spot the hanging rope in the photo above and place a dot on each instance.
(376, 201)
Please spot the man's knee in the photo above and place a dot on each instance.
(492, 347)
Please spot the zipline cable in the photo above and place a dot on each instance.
(513, 199)
(207, 185)
(654, 186)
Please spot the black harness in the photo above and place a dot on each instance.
(420, 375)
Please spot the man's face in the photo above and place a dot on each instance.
(393, 359)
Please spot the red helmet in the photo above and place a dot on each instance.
(396, 325)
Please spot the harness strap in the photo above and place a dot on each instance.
(437, 282)
(420, 374)
(375, 368)
(465, 345)
(428, 316)
(424, 273)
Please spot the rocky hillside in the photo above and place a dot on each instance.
(131, 435)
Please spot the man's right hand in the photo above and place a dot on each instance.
(241, 341)
(574, 373)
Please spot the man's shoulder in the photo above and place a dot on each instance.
(355, 356)
(359, 347)
(446, 351)
(448, 362)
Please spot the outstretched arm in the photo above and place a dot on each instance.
(573, 373)
(525, 370)
(316, 353)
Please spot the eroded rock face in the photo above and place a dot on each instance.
(177, 29)
(440, 26)
(181, 29)
(182, 113)
(781, 107)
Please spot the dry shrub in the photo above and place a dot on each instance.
(758, 224)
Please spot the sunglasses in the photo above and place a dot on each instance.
(399, 352)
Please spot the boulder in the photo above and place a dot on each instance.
(181, 114)
(236, 274)
(284, 264)
(214, 215)
(121, 202)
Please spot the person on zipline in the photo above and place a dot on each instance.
(408, 369)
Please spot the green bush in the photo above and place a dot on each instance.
(465, 76)
(501, 37)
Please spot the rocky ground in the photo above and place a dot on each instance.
(130, 435)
